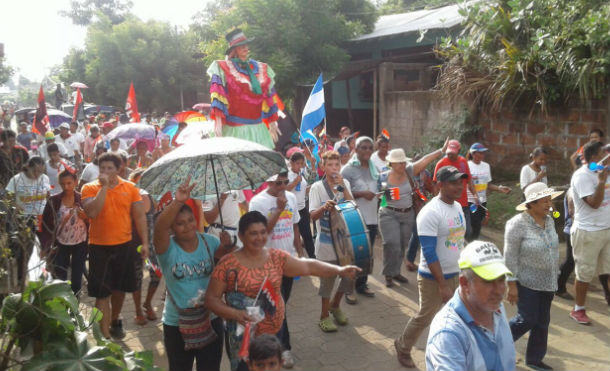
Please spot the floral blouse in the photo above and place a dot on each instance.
(531, 252)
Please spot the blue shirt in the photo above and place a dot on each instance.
(186, 273)
(457, 342)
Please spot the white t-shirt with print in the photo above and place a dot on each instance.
(584, 181)
(318, 196)
(282, 236)
(301, 192)
(481, 177)
(446, 223)
(31, 194)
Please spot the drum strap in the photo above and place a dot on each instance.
(331, 195)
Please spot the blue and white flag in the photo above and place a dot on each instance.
(314, 111)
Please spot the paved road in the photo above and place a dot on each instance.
(367, 342)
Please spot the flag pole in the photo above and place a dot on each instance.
(260, 289)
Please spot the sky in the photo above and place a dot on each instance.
(36, 37)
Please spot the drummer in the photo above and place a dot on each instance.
(232, 205)
(320, 204)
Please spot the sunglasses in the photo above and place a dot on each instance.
(281, 182)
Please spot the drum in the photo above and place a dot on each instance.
(350, 236)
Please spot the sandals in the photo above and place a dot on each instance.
(339, 316)
(150, 314)
(327, 325)
(140, 320)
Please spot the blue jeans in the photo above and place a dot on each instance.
(413, 245)
(534, 315)
(74, 257)
(284, 334)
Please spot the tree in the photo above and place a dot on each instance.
(531, 53)
(298, 39)
(6, 71)
(154, 55)
(84, 12)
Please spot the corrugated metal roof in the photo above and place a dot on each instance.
(396, 24)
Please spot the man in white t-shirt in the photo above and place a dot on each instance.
(78, 135)
(281, 210)
(320, 205)
(590, 232)
(231, 205)
(297, 175)
(70, 142)
(441, 227)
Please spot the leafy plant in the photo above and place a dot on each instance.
(43, 329)
(532, 53)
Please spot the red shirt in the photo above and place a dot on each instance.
(462, 165)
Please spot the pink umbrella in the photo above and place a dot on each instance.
(77, 84)
(201, 106)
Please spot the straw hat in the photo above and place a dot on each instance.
(397, 155)
(536, 191)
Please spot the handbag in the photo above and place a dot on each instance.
(417, 197)
(195, 324)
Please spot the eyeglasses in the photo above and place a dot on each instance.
(281, 182)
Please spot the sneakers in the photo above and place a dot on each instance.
(580, 316)
(116, 329)
(287, 359)
(539, 366)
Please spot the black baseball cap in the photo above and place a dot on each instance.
(449, 173)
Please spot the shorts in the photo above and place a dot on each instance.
(112, 268)
(327, 284)
(591, 250)
(139, 267)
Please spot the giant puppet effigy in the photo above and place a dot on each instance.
(244, 103)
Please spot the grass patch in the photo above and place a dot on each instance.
(502, 207)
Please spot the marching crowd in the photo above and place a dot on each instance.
(80, 191)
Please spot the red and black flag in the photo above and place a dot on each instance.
(269, 298)
(78, 106)
(41, 119)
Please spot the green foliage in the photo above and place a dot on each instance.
(298, 39)
(84, 12)
(154, 55)
(527, 52)
(6, 71)
(46, 325)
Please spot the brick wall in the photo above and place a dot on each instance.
(512, 135)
